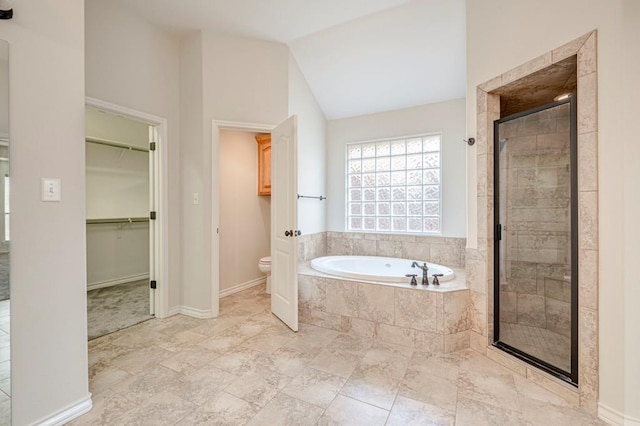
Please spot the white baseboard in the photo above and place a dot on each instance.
(614, 417)
(109, 283)
(191, 312)
(62, 417)
(243, 286)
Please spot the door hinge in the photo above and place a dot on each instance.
(152, 215)
(153, 284)
(152, 146)
(498, 232)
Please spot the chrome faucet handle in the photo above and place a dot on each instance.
(435, 279)
(413, 278)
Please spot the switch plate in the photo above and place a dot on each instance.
(196, 198)
(50, 189)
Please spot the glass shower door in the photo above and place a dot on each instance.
(535, 289)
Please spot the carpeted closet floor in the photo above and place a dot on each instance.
(113, 308)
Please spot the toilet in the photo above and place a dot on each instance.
(265, 267)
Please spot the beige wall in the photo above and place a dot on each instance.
(245, 216)
(489, 53)
(312, 152)
(48, 276)
(131, 63)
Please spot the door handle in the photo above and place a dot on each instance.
(288, 233)
(297, 233)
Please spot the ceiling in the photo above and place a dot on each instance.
(358, 56)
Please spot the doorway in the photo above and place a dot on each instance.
(536, 256)
(125, 217)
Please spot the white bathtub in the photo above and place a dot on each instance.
(375, 268)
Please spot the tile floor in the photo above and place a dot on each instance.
(246, 367)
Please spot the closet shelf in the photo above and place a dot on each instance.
(117, 220)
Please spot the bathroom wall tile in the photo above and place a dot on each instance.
(507, 361)
(531, 310)
(320, 319)
(588, 279)
(397, 335)
(589, 398)
(482, 141)
(478, 342)
(492, 84)
(555, 141)
(588, 162)
(509, 307)
(457, 341)
(429, 342)
(569, 49)
(557, 289)
(389, 248)
(527, 68)
(440, 313)
(481, 173)
(481, 101)
(311, 292)
(567, 392)
(415, 309)
(558, 316)
(478, 312)
(493, 110)
(587, 57)
(456, 311)
(359, 327)
(447, 255)
(587, 103)
(588, 350)
(588, 220)
(476, 274)
(375, 303)
(341, 297)
(417, 250)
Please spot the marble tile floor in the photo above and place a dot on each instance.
(246, 367)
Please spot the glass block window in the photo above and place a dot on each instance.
(394, 186)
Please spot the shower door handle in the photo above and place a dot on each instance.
(498, 232)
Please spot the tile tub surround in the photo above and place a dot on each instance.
(431, 319)
(446, 251)
(479, 262)
(312, 246)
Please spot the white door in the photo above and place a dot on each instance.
(284, 223)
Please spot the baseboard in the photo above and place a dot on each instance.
(109, 283)
(614, 417)
(191, 312)
(62, 417)
(240, 287)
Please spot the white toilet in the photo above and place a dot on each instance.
(265, 267)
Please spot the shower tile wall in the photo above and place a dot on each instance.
(535, 278)
(446, 251)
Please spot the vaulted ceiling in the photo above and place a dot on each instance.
(358, 56)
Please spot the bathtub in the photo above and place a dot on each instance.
(377, 269)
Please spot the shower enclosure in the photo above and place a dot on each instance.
(536, 257)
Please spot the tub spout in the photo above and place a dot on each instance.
(425, 272)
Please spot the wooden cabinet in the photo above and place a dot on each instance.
(264, 164)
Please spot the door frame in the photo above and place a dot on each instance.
(216, 126)
(160, 225)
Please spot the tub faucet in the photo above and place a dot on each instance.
(425, 271)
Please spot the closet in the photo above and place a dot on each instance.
(117, 221)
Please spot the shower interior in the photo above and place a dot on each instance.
(535, 291)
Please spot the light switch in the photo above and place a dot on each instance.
(50, 189)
